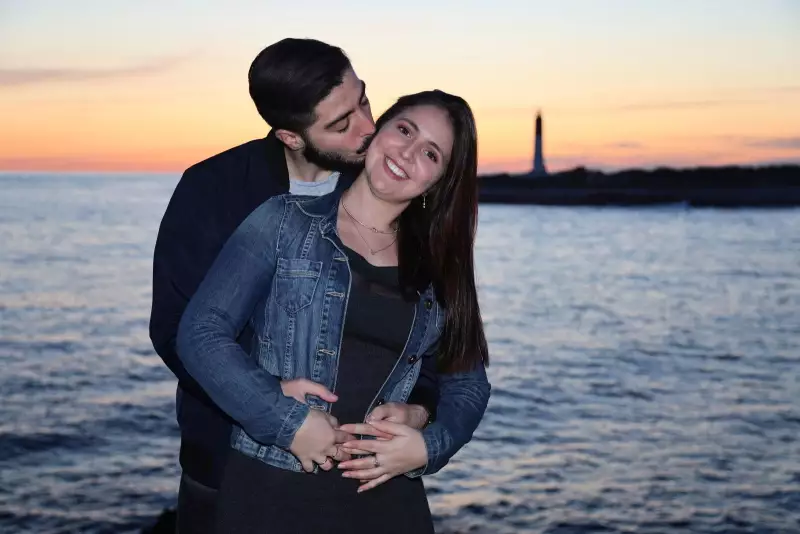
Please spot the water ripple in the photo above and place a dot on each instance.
(646, 368)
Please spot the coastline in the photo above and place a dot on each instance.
(774, 186)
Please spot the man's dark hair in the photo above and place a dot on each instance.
(289, 78)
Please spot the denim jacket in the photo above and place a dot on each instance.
(284, 272)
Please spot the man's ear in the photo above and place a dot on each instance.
(292, 140)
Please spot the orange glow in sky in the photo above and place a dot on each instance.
(154, 86)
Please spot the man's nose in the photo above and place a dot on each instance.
(367, 125)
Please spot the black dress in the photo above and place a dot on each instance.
(256, 497)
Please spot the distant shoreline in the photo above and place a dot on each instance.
(729, 186)
(766, 186)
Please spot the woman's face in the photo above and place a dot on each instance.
(409, 154)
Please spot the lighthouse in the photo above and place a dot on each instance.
(538, 155)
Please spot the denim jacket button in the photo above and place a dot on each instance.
(412, 358)
(428, 304)
(381, 401)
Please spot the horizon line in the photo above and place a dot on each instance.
(754, 164)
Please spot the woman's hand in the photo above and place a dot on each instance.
(412, 415)
(403, 452)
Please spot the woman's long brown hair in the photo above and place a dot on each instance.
(435, 243)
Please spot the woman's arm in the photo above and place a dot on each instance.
(206, 344)
(463, 398)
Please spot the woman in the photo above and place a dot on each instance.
(355, 299)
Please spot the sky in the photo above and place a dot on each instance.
(156, 85)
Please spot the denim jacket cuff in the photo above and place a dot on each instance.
(431, 445)
(418, 472)
(291, 424)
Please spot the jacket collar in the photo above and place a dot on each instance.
(276, 160)
(325, 208)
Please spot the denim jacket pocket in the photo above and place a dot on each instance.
(295, 283)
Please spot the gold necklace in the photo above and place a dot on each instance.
(371, 250)
(375, 230)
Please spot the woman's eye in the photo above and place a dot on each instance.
(403, 130)
(431, 156)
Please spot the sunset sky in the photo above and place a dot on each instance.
(160, 84)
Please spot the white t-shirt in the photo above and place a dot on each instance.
(314, 189)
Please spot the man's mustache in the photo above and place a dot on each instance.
(365, 145)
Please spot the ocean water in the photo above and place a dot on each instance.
(645, 368)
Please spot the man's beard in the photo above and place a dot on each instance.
(331, 160)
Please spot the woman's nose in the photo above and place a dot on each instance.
(407, 151)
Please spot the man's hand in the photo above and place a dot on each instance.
(412, 415)
(404, 452)
(300, 387)
(317, 439)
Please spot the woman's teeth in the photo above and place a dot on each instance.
(397, 171)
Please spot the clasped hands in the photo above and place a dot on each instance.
(398, 447)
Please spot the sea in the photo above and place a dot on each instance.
(645, 365)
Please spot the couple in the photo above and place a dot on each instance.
(328, 343)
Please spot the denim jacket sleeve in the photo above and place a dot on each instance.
(240, 276)
(463, 398)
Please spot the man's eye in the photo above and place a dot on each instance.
(365, 102)
(344, 129)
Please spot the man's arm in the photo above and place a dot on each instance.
(426, 390)
(419, 410)
(240, 276)
(182, 256)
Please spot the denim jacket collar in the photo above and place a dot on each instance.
(325, 207)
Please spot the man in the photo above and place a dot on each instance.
(321, 122)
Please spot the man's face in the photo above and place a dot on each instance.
(339, 137)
